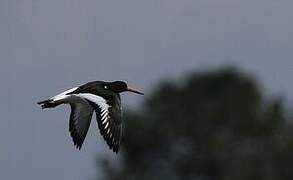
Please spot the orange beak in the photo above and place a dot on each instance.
(134, 90)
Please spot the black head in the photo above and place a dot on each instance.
(120, 86)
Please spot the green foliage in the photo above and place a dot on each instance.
(213, 126)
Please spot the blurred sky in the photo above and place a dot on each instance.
(47, 46)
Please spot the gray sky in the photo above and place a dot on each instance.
(47, 46)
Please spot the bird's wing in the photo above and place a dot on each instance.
(109, 118)
(63, 95)
(80, 118)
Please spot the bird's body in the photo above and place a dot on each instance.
(101, 97)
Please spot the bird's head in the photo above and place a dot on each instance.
(120, 86)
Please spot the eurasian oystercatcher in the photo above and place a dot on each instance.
(101, 97)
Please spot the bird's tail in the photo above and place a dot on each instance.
(49, 103)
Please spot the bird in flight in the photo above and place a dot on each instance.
(100, 97)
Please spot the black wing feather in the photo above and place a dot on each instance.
(78, 132)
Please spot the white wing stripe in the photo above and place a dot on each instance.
(104, 121)
(103, 113)
(104, 116)
(63, 95)
(107, 125)
(101, 102)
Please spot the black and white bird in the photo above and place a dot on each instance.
(101, 97)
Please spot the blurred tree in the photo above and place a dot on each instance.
(213, 126)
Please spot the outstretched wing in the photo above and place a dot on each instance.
(80, 119)
(109, 118)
